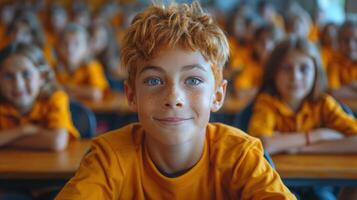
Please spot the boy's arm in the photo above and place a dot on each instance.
(256, 179)
(97, 177)
(44, 139)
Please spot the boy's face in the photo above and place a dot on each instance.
(20, 81)
(295, 77)
(348, 43)
(174, 95)
(73, 48)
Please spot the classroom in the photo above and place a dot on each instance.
(178, 99)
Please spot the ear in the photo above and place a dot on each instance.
(218, 98)
(130, 96)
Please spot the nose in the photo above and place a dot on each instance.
(174, 97)
(296, 74)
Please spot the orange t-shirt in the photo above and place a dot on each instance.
(251, 75)
(49, 113)
(341, 71)
(89, 74)
(271, 115)
(232, 166)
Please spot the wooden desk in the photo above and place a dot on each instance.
(113, 102)
(19, 165)
(317, 169)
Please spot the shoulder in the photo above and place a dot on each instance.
(122, 141)
(230, 143)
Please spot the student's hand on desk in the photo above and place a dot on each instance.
(324, 134)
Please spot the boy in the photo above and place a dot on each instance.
(174, 57)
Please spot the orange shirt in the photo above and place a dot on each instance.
(327, 54)
(49, 113)
(232, 166)
(272, 115)
(313, 34)
(341, 71)
(90, 74)
(251, 75)
(238, 54)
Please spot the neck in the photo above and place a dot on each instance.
(175, 160)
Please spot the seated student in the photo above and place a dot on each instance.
(293, 114)
(292, 111)
(174, 56)
(342, 70)
(81, 76)
(33, 111)
(328, 43)
(247, 82)
(104, 47)
(57, 20)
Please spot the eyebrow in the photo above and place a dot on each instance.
(184, 68)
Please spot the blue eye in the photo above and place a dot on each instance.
(153, 81)
(193, 81)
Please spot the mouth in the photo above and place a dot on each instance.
(172, 120)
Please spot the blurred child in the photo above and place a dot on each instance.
(34, 113)
(268, 13)
(174, 56)
(248, 81)
(57, 21)
(328, 43)
(292, 111)
(81, 14)
(342, 70)
(26, 28)
(243, 28)
(81, 76)
(298, 24)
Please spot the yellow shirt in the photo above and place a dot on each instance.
(313, 34)
(49, 113)
(341, 71)
(232, 167)
(90, 74)
(238, 54)
(251, 75)
(326, 56)
(272, 115)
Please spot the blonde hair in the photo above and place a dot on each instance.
(293, 43)
(183, 25)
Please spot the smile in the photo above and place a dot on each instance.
(172, 120)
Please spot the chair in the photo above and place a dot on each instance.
(83, 119)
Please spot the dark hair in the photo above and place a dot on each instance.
(347, 24)
(35, 55)
(273, 64)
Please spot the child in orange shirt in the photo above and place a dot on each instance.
(342, 69)
(292, 111)
(81, 76)
(328, 43)
(33, 111)
(174, 56)
(247, 82)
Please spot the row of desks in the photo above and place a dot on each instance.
(20, 166)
